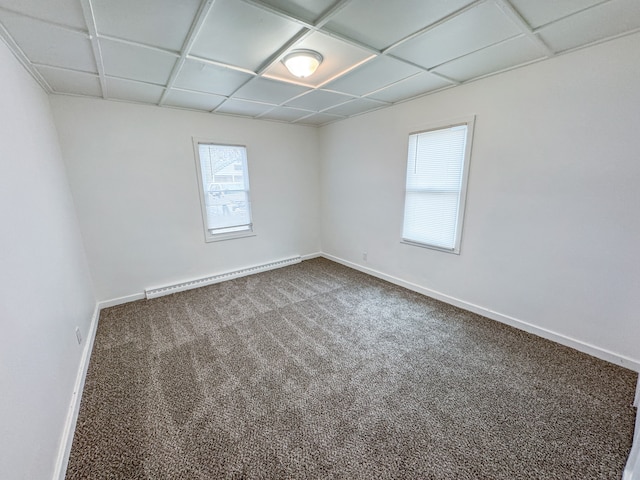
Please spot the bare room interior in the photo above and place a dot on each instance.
(222, 257)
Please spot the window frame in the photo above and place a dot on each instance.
(469, 121)
(217, 237)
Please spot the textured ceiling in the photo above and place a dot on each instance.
(224, 56)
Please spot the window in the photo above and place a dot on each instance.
(223, 179)
(437, 166)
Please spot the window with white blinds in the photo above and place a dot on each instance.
(437, 165)
(223, 179)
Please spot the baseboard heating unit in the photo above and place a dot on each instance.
(220, 277)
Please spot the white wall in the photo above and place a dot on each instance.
(552, 226)
(45, 287)
(133, 176)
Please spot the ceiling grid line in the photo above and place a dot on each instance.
(124, 41)
(59, 25)
(194, 30)
(515, 16)
(442, 21)
(89, 17)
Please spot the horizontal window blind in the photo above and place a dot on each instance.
(435, 165)
(225, 188)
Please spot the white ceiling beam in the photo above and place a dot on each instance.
(90, 19)
(560, 19)
(511, 13)
(132, 43)
(434, 25)
(194, 31)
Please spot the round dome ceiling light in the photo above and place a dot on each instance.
(302, 63)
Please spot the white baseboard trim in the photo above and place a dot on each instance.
(66, 442)
(155, 292)
(310, 256)
(120, 300)
(632, 468)
(579, 345)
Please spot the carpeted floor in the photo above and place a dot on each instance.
(319, 371)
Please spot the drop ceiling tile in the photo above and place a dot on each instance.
(470, 31)
(285, 114)
(70, 81)
(203, 77)
(380, 23)
(241, 107)
(338, 56)
(373, 75)
(65, 12)
(308, 10)
(354, 107)
(48, 44)
(193, 100)
(133, 91)
(317, 100)
(162, 23)
(492, 59)
(606, 20)
(320, 119)
(242, 35)
(268, 91)
(411, 87)
(542, 12)
(136, 63)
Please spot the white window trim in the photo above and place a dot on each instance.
(217, 237)
(470, 122)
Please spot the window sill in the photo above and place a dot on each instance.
(229, 236)
(455, 251)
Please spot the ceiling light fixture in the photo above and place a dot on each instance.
(302, 63)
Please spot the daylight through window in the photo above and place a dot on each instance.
(224, 189)
(437, 166)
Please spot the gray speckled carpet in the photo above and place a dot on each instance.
(318, 371)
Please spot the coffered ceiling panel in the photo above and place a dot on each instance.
(380, 23)
(133, 91)
(69, 81)
(317, 100)
(64, 12)
(242, 35)
(356, 106)
(411, 87)
(210, 78)
(242, 107)
(285, 114)
(162, 23)
(62, 47)
(504, 55)
(193, 100)
(135, 62)
(541, 12)
(308, 10)
(268, 91)
(474, 29)
(602, 21)
(372, 76)
(339, 57)
(320, 119)
(225, 56)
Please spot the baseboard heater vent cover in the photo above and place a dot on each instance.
(221, 277)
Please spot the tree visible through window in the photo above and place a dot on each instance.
(224, 188)
(437, 165)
